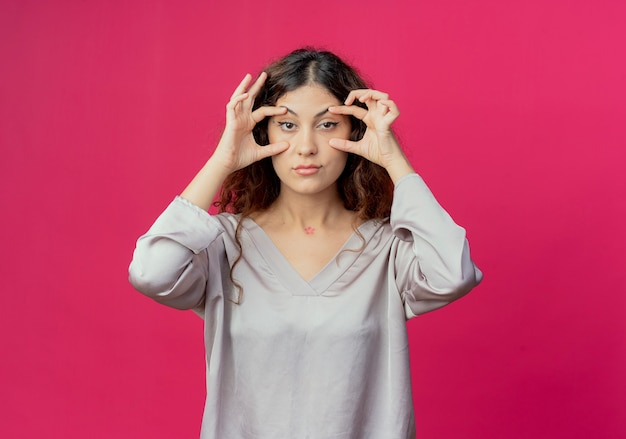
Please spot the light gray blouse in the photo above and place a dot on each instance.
(321, 359)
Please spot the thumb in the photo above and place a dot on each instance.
(272, 149)
(343, 145)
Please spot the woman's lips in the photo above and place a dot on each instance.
(306, 169)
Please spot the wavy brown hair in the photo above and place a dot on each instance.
(364, 187)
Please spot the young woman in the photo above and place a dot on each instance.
(327, 241)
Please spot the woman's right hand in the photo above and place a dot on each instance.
(237, 148)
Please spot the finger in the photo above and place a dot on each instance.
(365, 97)
(261, 113)
(392, 111)
(374, 95)
(355, 94)
(370, 103)
(390, 104)
(232, 104)
(349, 110)
(381, 108)
(272, 149)
(256, 87)
(242, 85)
(344, 145)
(364, 94)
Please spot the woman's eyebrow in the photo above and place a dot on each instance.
(289, 110)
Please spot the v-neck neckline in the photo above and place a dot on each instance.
(322, 280)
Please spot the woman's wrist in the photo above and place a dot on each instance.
(398, 168)
(204, 187)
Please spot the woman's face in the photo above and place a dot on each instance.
(310, 165)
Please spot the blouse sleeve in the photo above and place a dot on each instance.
(170, 262)
(431, 256)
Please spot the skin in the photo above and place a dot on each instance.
(308, 126)
(308, 170)
(310, 166)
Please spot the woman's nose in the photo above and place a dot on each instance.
(305, 143)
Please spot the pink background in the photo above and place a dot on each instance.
(514, 113)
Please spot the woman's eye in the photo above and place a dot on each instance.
(328, 125)
(287, 126)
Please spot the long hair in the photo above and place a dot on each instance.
(364, 187)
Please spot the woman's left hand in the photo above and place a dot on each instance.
(378, 145)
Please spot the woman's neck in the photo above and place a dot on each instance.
(309, 213)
